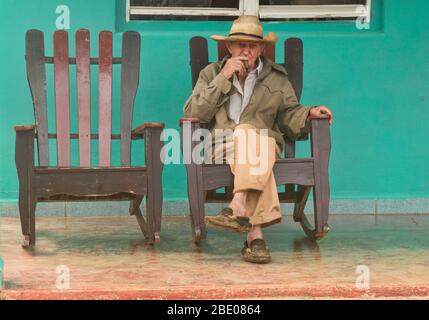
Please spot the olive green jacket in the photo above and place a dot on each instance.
(273, 104)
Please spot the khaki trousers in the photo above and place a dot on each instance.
(251, 157)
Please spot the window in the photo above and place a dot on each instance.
(184, 9)
(267, 10)
(314, 9)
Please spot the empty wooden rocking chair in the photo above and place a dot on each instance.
(45, 182)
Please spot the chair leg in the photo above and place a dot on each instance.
(24, 160)
(196, 194)
(135, 211)
(321, 205)
(299, 215)
(321, 147)
(27, 213)
(154, 197)
(302, 197)
(153, 216)
(196, 197)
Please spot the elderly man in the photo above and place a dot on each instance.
(245, 92)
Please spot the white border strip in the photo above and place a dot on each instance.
(251, 8)
(368, 11)
(127, 10)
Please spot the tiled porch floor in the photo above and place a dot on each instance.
(107, 258)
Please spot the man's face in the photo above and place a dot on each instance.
(250, 50)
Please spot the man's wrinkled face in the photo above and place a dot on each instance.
(250, 50)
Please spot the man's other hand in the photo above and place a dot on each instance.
(320, 112)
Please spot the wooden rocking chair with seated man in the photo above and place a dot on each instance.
(298, 175)
(44, 182)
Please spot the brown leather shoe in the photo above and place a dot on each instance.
(227, 221)
(256, 252)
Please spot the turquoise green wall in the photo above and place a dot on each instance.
(374, 80)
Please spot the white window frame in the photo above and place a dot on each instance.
(319, 11)
(252, 7)
(185, 11)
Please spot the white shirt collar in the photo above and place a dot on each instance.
(260, 66)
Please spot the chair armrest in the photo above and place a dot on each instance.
(202, 124)
(25, 128)
(304, 136)
(191, 120)
(24, 150)
(324, 119)
(320, 137)
(139, 131)
(321, 117)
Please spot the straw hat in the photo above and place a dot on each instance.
(247, 28)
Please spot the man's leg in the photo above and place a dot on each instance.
(263, 208)
(255, 191)
(238, 203)
(234, 218)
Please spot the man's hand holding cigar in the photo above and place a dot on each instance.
(239, 65)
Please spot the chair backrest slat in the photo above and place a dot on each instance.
(222, 50)
(270, 53)
(199, 57)
(62, 96)
(36, 74)
(294, 66)
(105, 97)
(294, 63)
(83, 78)
(129, 83)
